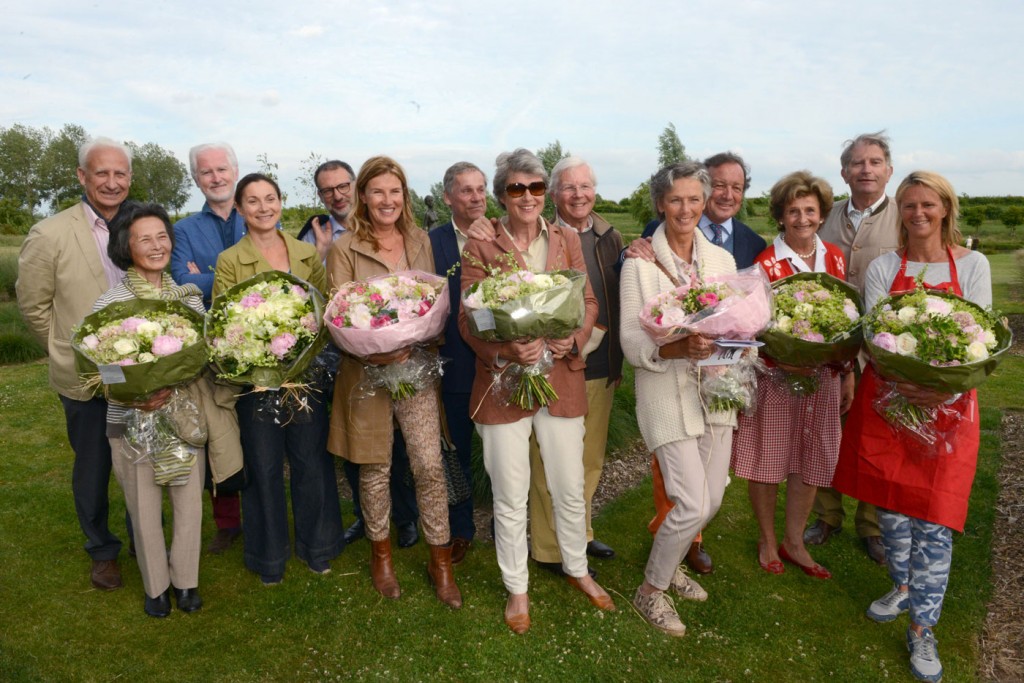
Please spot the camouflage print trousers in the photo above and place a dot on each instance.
(418, 417)
(919, 555)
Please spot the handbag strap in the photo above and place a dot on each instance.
(446, 436)
(671, 278)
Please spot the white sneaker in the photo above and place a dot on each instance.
(658, 610)
(686, 588)
(889, 606)
(924, 656)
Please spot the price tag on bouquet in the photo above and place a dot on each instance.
(111, 374)
(729, 351)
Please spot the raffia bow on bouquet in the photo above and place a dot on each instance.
(384, 314)
(816, 322)
(937, 340)
(519, 304)
(265, 332)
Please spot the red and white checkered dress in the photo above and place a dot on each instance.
(791, 434)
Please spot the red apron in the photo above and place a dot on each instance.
(877, 466)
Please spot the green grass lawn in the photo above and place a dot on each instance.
(54, 626)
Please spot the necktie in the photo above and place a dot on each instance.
(717, 239)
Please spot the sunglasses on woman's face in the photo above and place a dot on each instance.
(517, 190)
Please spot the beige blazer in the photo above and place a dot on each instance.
(60, 276)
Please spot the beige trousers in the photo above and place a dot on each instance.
(695, 472)
(507, 459)
(144, 499)
(543, 544)
(419, 419)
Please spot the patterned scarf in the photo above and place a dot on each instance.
(168, 291)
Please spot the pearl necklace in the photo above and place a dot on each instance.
(808, 255)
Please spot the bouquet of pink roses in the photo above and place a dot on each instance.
(390, 312)
(932, 339)
(139, 346)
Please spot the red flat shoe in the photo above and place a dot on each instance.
(773, 567)
(815, 570)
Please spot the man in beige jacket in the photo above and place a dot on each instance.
(865, 226)
(62, 270)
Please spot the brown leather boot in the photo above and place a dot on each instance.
(382, 571)
(440, 571)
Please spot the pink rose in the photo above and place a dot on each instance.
(282, 344)
(252, 300)
(165, 345)
(91, 341)
(131, 324)
(885, 340)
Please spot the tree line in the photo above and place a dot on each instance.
(37, 173)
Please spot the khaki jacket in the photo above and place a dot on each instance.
(878, 234)
(60, 276)
(567, 376)
(361, 428)
(242, 261)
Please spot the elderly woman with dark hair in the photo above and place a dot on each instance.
(692, 447)
(303, 437)
(793, 438)
(526, 239)
(141, 240)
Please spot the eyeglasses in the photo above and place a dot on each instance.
(517, 190)
(328, 192)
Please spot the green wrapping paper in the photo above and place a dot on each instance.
(145, 378)
(555, 314)
(272, 375)
(956, 378)
(801, 353)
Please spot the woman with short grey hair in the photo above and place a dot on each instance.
(519, 161)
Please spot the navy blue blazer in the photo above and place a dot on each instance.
(460, 372)
(746, 244)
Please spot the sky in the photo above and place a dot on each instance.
(783, 83)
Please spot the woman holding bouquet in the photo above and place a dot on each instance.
(793, 438)
(525, 241)
(382, 237)
(692, 446)
(267, 439)
(141, 241)
(921, 498)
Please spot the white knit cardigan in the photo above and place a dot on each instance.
(668, 406)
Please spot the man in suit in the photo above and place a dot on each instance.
(574, 192)
(864, 226)
(198, 241)
(730, 179)
(63, 268)
(465, 192)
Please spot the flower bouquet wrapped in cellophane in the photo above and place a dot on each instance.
(170, 437)
(936, 340)
(265, 332)
(133, 348)
(512, 305)
(815, 322)
(384, 314)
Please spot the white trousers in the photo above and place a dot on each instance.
(507, 459)
(695, 472)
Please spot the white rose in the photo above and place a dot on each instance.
(146, 358)
(907, 314)
(803, 311)
(360, 316)
(906, 344)
(474, 300)
(125, 347)
(785, 324)
(990, 339)
(543, 280)
(976, 351)
(148, 329)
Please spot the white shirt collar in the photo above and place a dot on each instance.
(784, 253)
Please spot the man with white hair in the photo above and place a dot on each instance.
(574, 192)
(198, 241)
(63, 269)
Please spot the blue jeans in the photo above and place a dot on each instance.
(302, 437)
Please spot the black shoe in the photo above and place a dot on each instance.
(223, 540)
(188, 599)
(600, 550)
(408, 535)
(556, 568)
(355, 532)
(160, 606)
